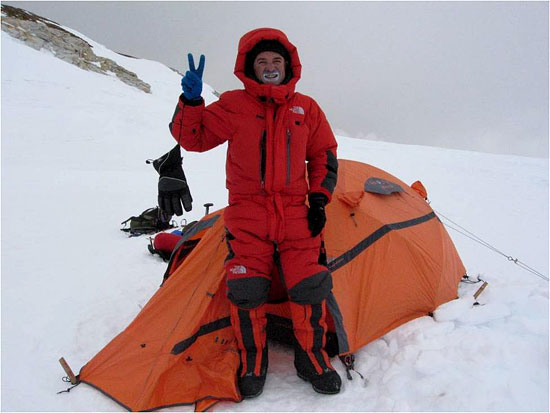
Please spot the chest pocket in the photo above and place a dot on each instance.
(297, 134)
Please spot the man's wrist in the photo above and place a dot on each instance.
(191, 102)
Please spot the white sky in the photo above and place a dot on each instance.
(468, 75)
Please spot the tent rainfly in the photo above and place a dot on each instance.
(391, 261)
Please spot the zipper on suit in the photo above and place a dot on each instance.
(288, 134)
(262, 159)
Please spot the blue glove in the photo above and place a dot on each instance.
(191, 83)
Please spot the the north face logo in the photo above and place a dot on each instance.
(298, 109)
(238, 269)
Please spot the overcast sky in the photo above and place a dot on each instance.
(467, 75)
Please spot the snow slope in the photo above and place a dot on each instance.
(73, 150)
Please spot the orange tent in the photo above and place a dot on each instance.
(391, 260)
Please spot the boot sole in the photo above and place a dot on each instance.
(316, 389)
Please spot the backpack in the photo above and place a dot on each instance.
(149, 221)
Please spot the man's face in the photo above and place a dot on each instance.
(269, 67)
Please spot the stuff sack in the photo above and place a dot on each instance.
(164, 243)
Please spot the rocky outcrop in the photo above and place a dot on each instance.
(40, 33)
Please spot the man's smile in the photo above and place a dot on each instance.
(270, 77)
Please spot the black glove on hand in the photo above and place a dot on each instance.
(173, 189)
(316, 215)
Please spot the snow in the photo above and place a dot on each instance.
(74, 145)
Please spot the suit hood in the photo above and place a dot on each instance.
(279, 93)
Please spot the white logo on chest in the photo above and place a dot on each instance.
(297, 109)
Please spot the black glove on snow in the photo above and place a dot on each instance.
(316, 215)
(173, 189)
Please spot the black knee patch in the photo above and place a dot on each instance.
(249, 292)
(312, 290)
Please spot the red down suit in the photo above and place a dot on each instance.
(280, 149)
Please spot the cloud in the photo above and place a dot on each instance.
(469, 75)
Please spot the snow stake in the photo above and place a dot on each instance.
(68, 370)
(349, 362)
(480, 289)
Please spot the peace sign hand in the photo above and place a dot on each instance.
(198, 71)
(191, 83)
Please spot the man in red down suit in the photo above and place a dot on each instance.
(272, 132)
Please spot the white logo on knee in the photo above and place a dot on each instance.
(238, 269)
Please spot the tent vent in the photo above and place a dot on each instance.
(381, 186)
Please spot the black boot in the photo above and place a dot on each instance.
(249, 325)
(328, 382)
(309, 323)
(251, 385)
